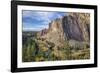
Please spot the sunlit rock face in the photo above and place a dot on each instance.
(55, 32)
(73, 26)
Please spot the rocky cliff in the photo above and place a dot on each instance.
(73, 26)
(77, 26)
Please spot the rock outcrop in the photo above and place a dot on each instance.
(73, 26)
(77, 26)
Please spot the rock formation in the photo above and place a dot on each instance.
(73, 26)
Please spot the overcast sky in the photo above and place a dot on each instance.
(38, 20)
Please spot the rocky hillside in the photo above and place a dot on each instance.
(67, 38)
(74, 27)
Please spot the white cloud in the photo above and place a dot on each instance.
(35, 28)
(40, 15)
(43, 17)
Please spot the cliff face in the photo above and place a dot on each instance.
(74, 26)
(55, 32)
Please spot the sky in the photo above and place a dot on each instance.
(38, 20)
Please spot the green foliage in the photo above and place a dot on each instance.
(35, 50)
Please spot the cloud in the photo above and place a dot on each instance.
(39, 16)
(38, 19)
(37, 28)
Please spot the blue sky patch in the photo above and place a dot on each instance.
(38, 20)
